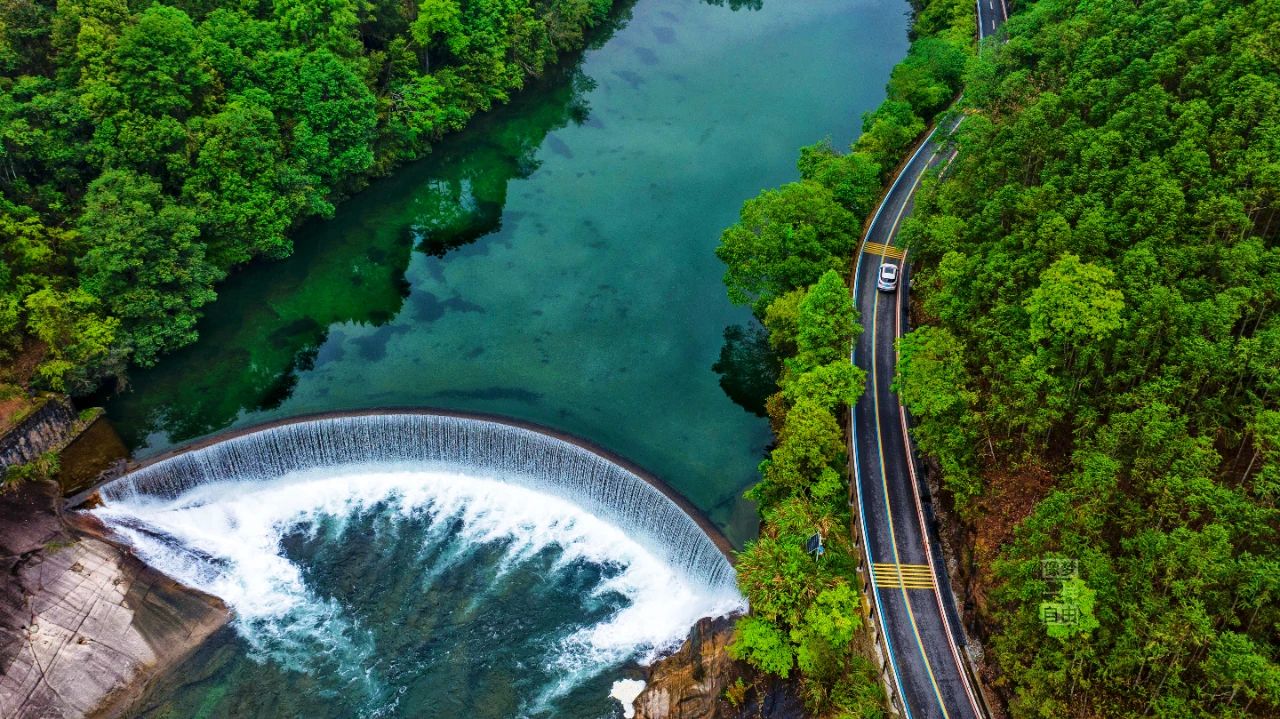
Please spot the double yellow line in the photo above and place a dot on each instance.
(884, 474)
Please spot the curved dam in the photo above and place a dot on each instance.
(516, 453)
(396, 560)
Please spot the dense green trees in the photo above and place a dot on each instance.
(75, 332)
(941, 398)
(786, 238)
(804, 611)
(146, 149)
(1101, 268)
(788, 257)
(145, 263)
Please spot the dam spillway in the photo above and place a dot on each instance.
(470, 446)
(398, 560)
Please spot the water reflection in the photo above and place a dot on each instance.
(284, 312)
(748, 366)
(736, 5)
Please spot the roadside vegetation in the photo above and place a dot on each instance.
(789, 258)
(148, 148)
(1099, 377)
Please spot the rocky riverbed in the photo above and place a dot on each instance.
(84, 625)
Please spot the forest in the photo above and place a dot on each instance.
(788, 258)
(149, 148)
(1095, 369)
(1098, 374)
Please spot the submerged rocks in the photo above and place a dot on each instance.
(693, 682)
(84, 625)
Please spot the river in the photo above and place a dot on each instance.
(552, 263)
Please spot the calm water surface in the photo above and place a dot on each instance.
(554, 262)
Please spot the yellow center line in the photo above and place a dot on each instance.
(884, 475)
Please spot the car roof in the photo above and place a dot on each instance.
(892, 268)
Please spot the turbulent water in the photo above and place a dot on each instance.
(553, 263)
(518, 455)
(388, 585)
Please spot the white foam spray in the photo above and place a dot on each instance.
(226, 538)
(626, 691)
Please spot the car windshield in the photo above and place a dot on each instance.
(888, 271)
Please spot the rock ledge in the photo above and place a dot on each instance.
(85, 626)
(691, 683)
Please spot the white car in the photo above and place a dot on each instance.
(887, 280)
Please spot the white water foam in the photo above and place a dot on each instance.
(225, 538)
(626, 691)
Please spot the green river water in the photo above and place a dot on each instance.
(552, 263)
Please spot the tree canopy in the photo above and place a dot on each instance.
(1099, 273)
(147, 149)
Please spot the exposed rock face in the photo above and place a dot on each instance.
(84, 625)
(46, 427)
(691, 683)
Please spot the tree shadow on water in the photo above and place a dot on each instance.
(748, 366)
(276, 321)
(736, 5)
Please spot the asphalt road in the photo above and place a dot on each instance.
(991, 15)
(912, 599)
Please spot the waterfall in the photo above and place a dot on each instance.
(483, 448)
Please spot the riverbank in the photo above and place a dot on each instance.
(84, 625)
(45, 438)
(701, 681)
(266, 117)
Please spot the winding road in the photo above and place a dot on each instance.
(913, 605)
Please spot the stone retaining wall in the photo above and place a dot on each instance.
(46, 427)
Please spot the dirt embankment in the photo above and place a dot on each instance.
(973, 546)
